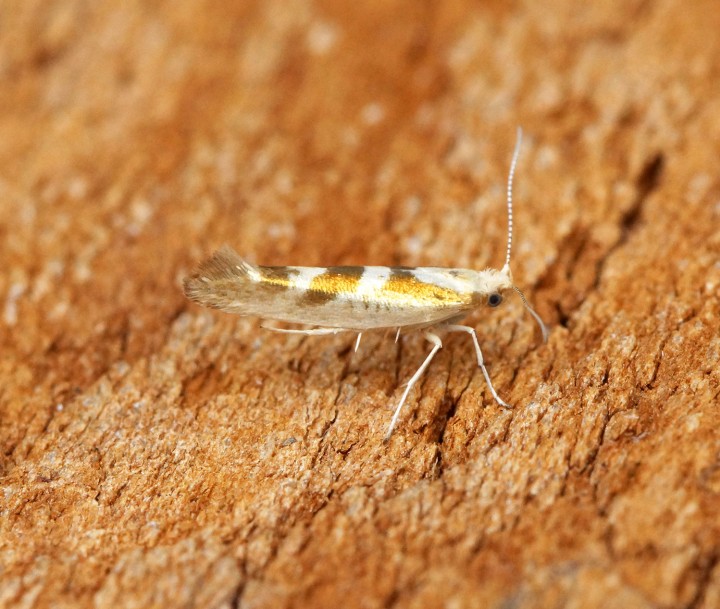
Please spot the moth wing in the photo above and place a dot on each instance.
(225, 281)
(225, 263)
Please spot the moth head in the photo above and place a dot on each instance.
(493, 286)
(494, 299)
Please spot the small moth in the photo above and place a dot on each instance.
(359, 298)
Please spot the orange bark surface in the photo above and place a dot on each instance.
(156, 454)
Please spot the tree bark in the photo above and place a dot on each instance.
(156, 454)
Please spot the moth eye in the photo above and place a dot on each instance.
(494, 299)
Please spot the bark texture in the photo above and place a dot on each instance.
(155, 454)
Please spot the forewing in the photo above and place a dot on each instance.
(352, 297)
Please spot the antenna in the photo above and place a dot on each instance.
(536, 317)
(506, 268)
(511, 175)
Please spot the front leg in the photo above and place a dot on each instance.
(481, 362)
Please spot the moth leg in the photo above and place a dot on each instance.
(481, 363)
(357, 342)
(310, 332)
(437, 345)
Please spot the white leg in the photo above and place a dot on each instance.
(397, 335)
(481, 363)
(437, 345)
(312, 331)
(357, 342)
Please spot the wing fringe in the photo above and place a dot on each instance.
(225, 265)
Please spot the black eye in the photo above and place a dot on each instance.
(494, 299)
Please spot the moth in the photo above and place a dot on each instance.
(361, 298)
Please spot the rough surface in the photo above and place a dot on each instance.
(158, 455)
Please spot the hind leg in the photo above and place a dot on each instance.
(309, 332)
